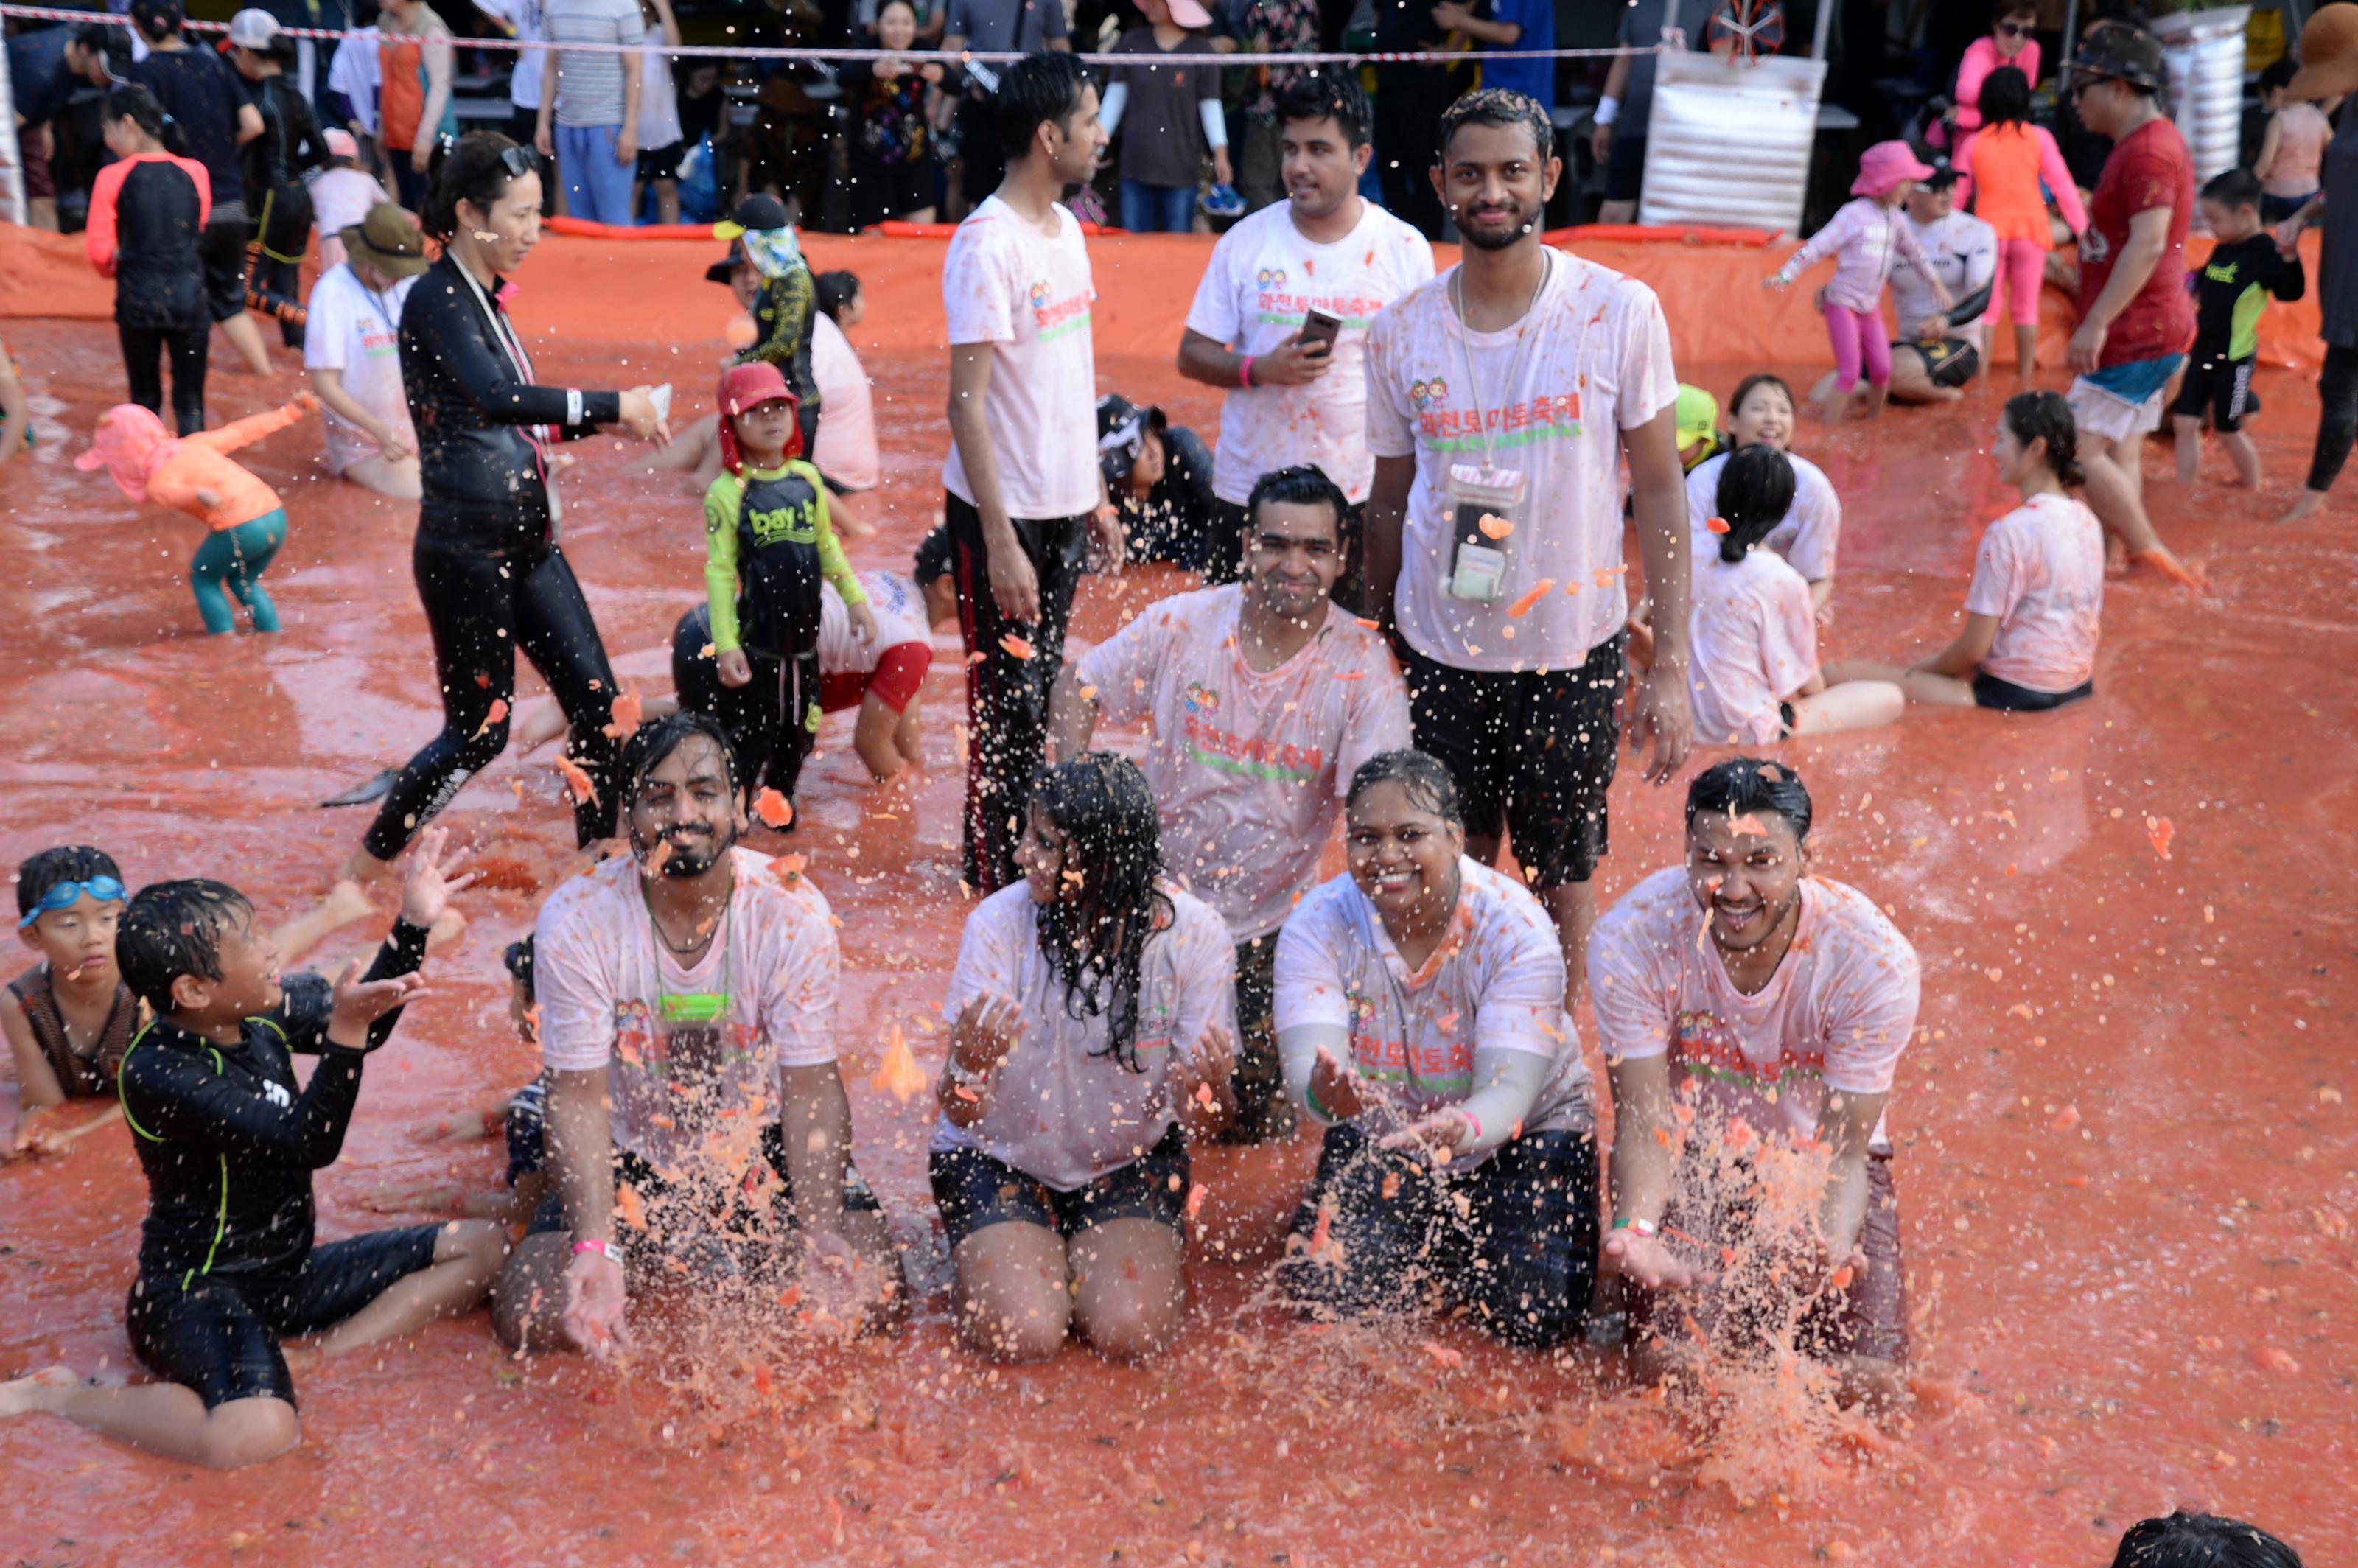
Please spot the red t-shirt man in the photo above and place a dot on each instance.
(2149, 168)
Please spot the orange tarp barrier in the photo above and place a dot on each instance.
(640, 290)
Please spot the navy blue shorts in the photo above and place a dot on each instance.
(221, 1335)
(973, 1191)
(2007, 697)
(1513, 1239)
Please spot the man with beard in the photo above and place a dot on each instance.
(1501, 399)
(1298, 395)
(1750, 1012)
(1264, 698)
(696, 1122)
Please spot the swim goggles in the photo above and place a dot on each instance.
(62, 895)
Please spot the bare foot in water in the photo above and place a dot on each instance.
(38, 1392)
(2303, 506)
(2160, 559)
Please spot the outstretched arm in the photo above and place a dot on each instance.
(244, 432)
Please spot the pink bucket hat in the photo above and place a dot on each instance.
(1884, 165)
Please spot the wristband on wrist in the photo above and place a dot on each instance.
(1474, 1121)
(592, 1244)
(1244, 371)
(1309, 1097)
(1608, 110)
(1645, 1228)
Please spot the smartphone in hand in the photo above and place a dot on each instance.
(1317, 327)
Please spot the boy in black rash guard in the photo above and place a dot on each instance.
(782, 312)
(749, 657)
(227, 1268)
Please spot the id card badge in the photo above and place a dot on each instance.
(1486, 506)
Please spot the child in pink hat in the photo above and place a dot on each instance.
(1863, 238)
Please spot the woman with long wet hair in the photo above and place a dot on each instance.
(1089, 1045)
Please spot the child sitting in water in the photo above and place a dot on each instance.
(1863, 238)
(1753, 637)
(229, 1139)
(2032, 614)
(1761, 415)
(70, 1018)
(193, 474)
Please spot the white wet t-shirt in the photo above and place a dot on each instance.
(899, 611)
(2040, 570)
(847, 425)
(1752, 643)
(600, 975)
(1810, 535)
(1064, 1110)
(356, 331)
(1263, 279)
(1835, 1016)
(1028, 295)
(1589, 360)
(1249, 769)
(1495, 983)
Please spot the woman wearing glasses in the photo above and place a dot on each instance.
(488, 568)
(2009, 42)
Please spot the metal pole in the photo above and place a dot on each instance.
(2070, 38)
(1823, 25)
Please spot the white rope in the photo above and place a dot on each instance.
(945, 57)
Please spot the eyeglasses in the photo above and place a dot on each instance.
(518, 162)
(2014, 30)
(2085, 79)
(63, 895)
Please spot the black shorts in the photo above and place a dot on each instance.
(974, 1191)
(2224, 386)
(1533, 752)
(2004, 695)
(1625, 167)
(221, 1335)
(1952, 362)
(1513, 1239)
(858, 1197)
(2275, 210)
(221, 248)
(662, 162)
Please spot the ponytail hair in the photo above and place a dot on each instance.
(1755, 492)
(476, 168)
(134, 103)
(2044, 416)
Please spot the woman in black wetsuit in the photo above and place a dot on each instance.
(488, 568)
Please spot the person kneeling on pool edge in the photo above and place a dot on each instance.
(694, 1120)
(229, 1140)
(1091, 1046)
(1749, 1012)
(1420, 1022)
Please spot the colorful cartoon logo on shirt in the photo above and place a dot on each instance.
(1272, 278)
(1425, 393)
(1202, 699)
(1039, 295)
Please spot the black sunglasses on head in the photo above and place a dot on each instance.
(518, 162)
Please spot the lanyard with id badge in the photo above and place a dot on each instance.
(1487, 502)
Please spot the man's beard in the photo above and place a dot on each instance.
(690, 856)
(1526, 222)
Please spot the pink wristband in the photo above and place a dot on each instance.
(595, 1246)
(1244, 371)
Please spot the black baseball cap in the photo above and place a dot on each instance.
(757, 213)
(1941, 178)
(2122, 52)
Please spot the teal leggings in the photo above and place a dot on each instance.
(235, 559)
